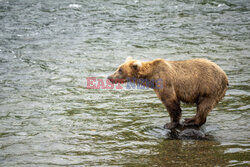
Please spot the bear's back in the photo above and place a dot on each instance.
(197, 77)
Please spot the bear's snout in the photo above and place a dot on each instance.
(111, 79)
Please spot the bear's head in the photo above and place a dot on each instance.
(130, 69)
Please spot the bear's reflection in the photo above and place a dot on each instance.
(189, 153)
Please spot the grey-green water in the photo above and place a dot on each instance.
(48, 48)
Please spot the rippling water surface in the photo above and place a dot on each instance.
(48, 48)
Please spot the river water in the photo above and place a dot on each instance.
(48, 48)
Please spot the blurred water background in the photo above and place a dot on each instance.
(48, 48)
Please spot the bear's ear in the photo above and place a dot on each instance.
(129, 59)
(136, 65)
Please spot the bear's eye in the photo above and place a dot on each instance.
(120, 70)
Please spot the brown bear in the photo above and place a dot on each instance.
(195, 81)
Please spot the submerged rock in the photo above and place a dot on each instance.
(190, 133)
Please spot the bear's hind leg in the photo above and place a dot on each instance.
(204, 106)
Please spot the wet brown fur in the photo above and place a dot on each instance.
(195, 81)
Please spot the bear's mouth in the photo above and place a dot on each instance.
(121, 81)
(115, 81)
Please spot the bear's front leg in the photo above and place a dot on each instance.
(174, 110)
(171, 125)
(172, 104)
